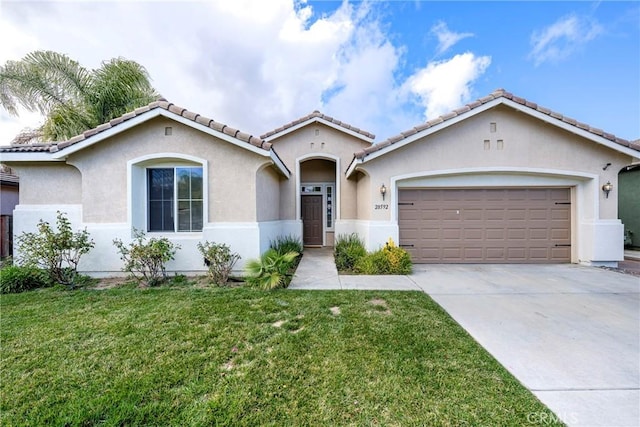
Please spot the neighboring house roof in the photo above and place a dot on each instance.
(500, 96)
(317, 116)
(58, 150)
(8, 177)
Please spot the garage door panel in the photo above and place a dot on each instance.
(517, 254)
(486, 225)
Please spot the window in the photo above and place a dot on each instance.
(174, 193)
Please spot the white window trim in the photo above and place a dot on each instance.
(137, 209)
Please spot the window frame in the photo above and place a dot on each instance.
(137, 200)
(175, 199)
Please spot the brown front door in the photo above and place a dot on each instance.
(312, 220)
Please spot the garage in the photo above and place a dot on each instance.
(489, 225)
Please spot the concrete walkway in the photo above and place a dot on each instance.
(569, 333)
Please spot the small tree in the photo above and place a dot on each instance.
(58, 252)
(145, 260)
(219, 259)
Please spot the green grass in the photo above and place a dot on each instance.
(184, 356)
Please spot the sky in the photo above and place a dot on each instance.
(382, 66)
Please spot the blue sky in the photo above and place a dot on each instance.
(384, 66)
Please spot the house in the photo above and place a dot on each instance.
(500, 180)
(9, 184)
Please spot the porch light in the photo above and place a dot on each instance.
(383, 190)
(607, 189)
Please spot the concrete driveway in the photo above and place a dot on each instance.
(570, 334)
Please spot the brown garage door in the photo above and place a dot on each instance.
(524, 225)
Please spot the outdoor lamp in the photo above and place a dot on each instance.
(607, 189)
(383, 190)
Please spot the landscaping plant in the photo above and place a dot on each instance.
(271, 271)
(285, 244)
(348, 250)
(388, 260)
(16, 278)
(145, 260)
(58, 252)
(219, 259)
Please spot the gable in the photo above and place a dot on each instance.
(498, 137)
(59, 151)
(497, 98)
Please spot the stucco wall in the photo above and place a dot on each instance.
(49, 183)
(318, 141)
(231, 170)
(268, 194)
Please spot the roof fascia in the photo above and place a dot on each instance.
(148, 115)
(324, 122)
(29, 157)
(352, 166)
(279, 164)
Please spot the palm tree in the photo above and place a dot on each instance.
(72, 98)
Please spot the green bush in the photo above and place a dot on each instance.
(272, 270)
(145, 260)
(58, 252)
(348, 250)
(286, 244)
(388, 260)
(219, 259)
(15, 279)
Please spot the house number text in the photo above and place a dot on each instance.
(382, 206)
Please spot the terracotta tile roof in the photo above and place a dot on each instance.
(499, 93)
(53, 147)
(317, 114)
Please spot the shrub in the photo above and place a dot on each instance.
(272, 270)
(348, 250)
(15, 279)
(286, 244)
(398, 259)
(388, 260)
(219, 259)
(58, 252)
(145, 260)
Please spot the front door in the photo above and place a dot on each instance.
(312, 220)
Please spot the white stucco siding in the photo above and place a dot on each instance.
(49, 183)
(267, 194)
(104, 167)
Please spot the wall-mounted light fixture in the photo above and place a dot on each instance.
(383, 190)
(607, 189)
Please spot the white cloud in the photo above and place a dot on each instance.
(251, 64)
(561, 39)
(446, 37)
(445, 85)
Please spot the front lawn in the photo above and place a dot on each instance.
(184, 356)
